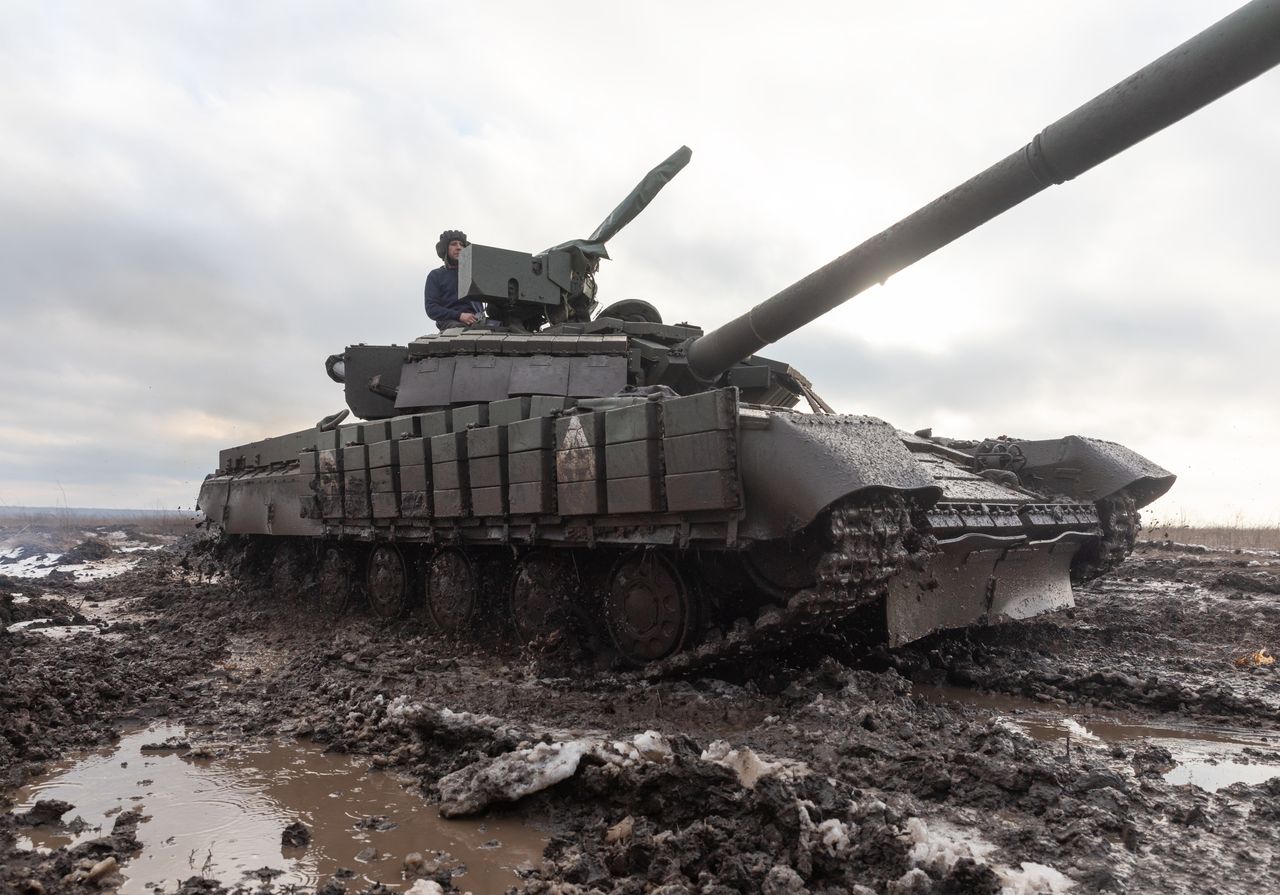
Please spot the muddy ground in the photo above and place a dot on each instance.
(834, 768)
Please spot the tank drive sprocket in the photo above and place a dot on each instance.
(869, 543)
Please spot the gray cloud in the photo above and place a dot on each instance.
(202, 202)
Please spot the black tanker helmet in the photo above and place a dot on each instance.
(448, 236)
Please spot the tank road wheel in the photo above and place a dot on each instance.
(334, 581)
(257, 560)
(542, 590)
(387, 580)
(286, 570)
(647, 608)
(452, 590)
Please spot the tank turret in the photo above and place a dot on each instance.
(653, 488)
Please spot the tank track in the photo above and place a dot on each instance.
(1120, 522)
(867, 544)
(870, 543)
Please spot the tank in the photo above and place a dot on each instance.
(674, 495)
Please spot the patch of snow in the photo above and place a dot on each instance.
(649, 746)
(653, 746)
(19, 599)
(425, 887)
(35, 565)
(511, 777)
(40, 565)
(1033, 878)
(54, 632)
(938, 849)
(749, 766)
(914, 880)
(1076, 729)
(22, 626)
(405, 712)
(537, 765)
(834, 836)
(99, 569)
(944, 845)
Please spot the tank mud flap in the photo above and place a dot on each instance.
(982, 579)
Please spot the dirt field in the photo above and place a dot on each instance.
(1048, 756)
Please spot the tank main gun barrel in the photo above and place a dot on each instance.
(1213, 63)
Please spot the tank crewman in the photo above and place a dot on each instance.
(443, 304)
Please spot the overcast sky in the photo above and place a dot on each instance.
(201, 201)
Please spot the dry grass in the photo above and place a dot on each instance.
(1225, 537)
(167, 522)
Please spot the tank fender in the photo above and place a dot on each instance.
(1091, 469)
(213, 497)
(795, 465)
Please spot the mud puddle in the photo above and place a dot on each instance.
(222, 815)
(1209, 758)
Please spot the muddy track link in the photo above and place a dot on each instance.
(1120, 522)
(869, 545)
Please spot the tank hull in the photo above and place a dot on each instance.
(779, 510)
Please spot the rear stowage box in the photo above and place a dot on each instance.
(278, 449)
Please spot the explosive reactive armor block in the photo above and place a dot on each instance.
(451, 489)
(580, 479)
(531, 468)
(699, 446)
(633, 458)
(487, 470)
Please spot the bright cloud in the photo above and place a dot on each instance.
(202, 201)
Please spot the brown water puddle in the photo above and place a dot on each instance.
(1207, 757)
(223, 817)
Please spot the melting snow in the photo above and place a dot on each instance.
(40, 565)
(749, 766)
(22, 626)
(510, 777)
(57, 632)
(522, 772)
(940, 848)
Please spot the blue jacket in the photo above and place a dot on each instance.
(442, 299)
